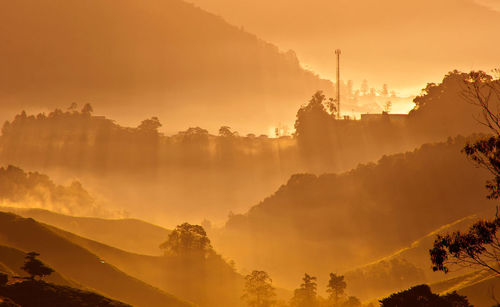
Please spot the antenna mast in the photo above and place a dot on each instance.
(337, 52)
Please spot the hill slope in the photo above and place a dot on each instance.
(79, 264)
(482, 288)
(407, 267)
(335, 222)
(207, 282)
(128, 234)
(137, 59)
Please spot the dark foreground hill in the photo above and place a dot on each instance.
(78, 264)
(33, 293)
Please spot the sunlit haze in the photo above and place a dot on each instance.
(249, 153)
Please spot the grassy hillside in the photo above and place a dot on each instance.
(482, 288)
(207, 282)
(77, 263)
(407, 267)
(127, 234)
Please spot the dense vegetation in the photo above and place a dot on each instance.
(421, 296)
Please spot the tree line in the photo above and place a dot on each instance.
(80, 140)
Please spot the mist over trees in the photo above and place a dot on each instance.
(74, 142)
(258, 291)
(309, 214)
(80, 141)
(32, 189)
(127, 74)
(327, 213)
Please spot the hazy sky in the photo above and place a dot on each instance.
(135, 60)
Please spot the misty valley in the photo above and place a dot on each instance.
(158, 153)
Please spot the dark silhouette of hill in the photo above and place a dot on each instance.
(78, 264)
(336, 221)
(33, 293)
(127, 234)
(207, 282)
(133, 58)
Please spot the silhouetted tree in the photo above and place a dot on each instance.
(259, 291)
(483, 91)
(422, 296)
(480, 245)
(186, 240)
(477, 247)
(305, 296)
(34, 267)
(336, 287)
(151, 124)
(225, 131)
(87, 109)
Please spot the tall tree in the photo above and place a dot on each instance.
(479, 246)
(34, 267)
(259, 291)
(187, 240)
(306, 295)
(336, 287)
